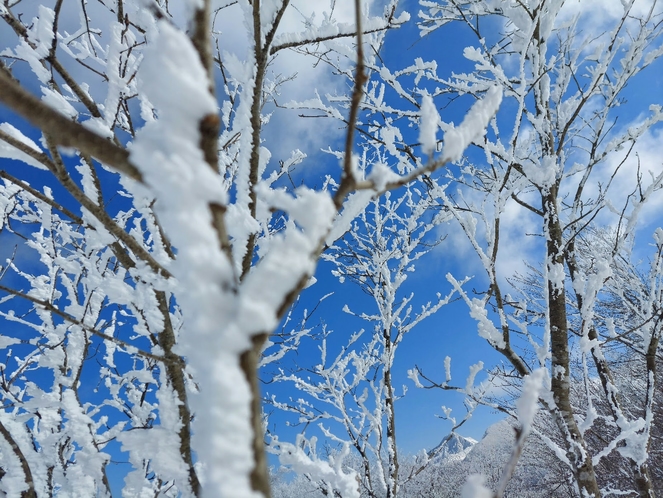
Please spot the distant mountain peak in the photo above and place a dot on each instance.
(452, 447)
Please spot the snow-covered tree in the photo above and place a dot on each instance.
(156, 234)
(351, 392)
(158, 241)
(558, 161)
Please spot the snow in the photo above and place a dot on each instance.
(13, 482)
(389, 135)
(320, 471)
(330, 28)
(474, 370)
(9, 152)
(290, 256)
(166, 150)
(413, 375)
(121, 66)
(454, 448)
(6, 341)
(528, 403)
(381, 175)
(447, 368)
(428, 125)
(474, 488)
(473, 127)
(159, 446)
(485, 325)
(542, 175)
(556, 274)
(57, 101)
(355, 204)
(41, 34)
(38, 44)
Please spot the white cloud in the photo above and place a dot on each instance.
(600, 14)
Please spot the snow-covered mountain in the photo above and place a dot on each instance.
(538, 474)
(452, 448)
(495, 446)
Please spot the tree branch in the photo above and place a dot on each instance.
(64, 131)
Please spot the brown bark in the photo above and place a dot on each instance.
(641, 473)
(176, 376)
(392, 450)
(249, 365)
(25, 467)
(576, 448)
(62, 130)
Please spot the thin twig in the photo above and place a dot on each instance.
(74, 321)
(348, 180)
(76, 219)
(100, 213)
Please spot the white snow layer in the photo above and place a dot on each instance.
(528, 403)
(474, 488)
(473, 127)
(221, 314)
(166, 150)
(321, 471)
(10, 152)
(429, 124)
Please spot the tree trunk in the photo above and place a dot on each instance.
(576, 449)
(249, 363)
(641, 473)
(392, 484)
